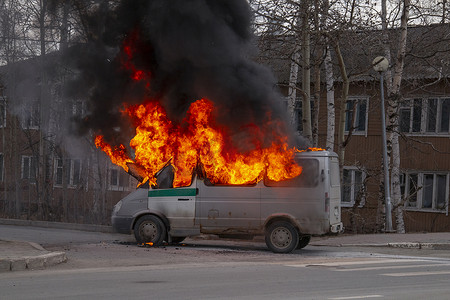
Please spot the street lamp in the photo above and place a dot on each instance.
(380, 64)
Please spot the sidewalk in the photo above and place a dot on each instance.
(431, 241)
(20, 255)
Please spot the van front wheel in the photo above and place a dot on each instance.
(282, 237)
(150, 229)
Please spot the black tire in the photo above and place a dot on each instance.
(177, 239)
(150, 229)
(303, 241)
(282, 237)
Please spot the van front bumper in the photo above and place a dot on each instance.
(337, 228)
(121, 224)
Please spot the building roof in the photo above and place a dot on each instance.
(427, 53)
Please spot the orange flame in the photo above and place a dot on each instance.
(159, 141)
(311, 149)
(118, 155)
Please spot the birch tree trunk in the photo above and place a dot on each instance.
(319, 22)
(394, 96)
(306, 76)
(292, 92)
(329, 82)
(330, 101)
(342, 107)
(315, 116)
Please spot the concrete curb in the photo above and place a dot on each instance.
(348, 245)
(58, 225)
(429, 246)
(32, 262)
(406, 245)
(36, 262)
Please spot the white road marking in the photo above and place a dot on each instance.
(369, 265)
(357, 297)
(417, 273)
(392, 267)
(351, 263)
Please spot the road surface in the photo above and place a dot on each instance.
(109, 266)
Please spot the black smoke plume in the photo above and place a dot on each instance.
(192, 49)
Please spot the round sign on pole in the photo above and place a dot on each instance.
(380, 64)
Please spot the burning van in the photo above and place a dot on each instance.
(286, 212)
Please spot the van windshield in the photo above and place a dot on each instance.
(308, 178)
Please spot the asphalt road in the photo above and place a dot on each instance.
(110, 266)
(387, 278)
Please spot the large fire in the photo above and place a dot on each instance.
(159, 141)
(197, 140)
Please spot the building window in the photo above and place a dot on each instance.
(356, 115)
(29, 168)
(353, 189)
(31, 115)
(2, 112)
(119, 180)
(425, 116)
(2, 166)
(426, 191)
(67, 172)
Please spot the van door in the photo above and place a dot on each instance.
(176, 204)
(335, 191)
(228, 207)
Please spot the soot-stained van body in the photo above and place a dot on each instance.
(287, 213)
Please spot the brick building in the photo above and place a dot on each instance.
(424, 116)
(47, 171)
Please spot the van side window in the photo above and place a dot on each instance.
(308, 178)
(334, 174)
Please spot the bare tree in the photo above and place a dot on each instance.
(394, 79)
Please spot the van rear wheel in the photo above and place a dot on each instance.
(281, 237)
(150, 229)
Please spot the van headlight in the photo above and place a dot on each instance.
(117, 207)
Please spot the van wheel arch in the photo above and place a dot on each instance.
(281, 219)
(147, 213)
